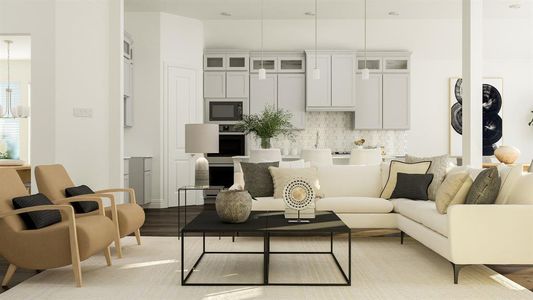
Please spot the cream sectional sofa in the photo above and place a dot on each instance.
(468, 234)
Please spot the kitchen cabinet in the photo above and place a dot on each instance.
(237, 85)
(291, 64)
(291, 97)
(396, 106)
(335, 89)
(270, 64)
(215, 62)
(368, 106)
(343, 81)
(396, 64)
(373, 64)
(237, 62)
(140, 178)
(263, 92)
(214, 84)
(318, 91)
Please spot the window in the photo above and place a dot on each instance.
(10, 128)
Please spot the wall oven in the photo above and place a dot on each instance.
(225, 111)
(232, 142)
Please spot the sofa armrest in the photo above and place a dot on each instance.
(491, 234)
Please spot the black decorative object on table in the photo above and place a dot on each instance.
(492, 122)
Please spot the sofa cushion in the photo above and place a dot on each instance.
(522, 191)
(485, 188)
(453, 191)
(336, 204)
(509, 176)
(438, 168)
(423, 212)
(354, 205)
(257, 178)
(412, 186)
(402, 167)
(350, 180)
(282, 176)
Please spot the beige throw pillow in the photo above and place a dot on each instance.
(402, 167)
(453, 190)
(282, 176)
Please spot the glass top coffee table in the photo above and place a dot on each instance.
(266, 225)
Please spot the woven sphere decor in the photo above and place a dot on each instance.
(298, 194)
(233, 206)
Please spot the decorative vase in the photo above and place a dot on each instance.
(507, 154)
(265, 143)
(233, 206)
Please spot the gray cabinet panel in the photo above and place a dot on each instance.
(368, 110)
(263, 92)
(318, 90)
(140, 178)
(291, 97)
(396, 106)
(214, 84)
(342, 80)
(237, 84)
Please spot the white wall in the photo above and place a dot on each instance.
(75, 63)
(160, 39)
(436, 47)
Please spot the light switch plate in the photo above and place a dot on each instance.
(79, 112)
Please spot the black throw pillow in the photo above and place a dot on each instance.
(412, 186)
(37, 219)
(81, 207)
(257, 178)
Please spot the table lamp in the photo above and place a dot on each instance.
(201, 138)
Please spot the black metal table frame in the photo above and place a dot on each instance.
(185, 189)
(266, 262)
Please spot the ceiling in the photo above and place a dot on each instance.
(328, 9)
(20, 48)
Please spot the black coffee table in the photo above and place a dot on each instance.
(266, 225)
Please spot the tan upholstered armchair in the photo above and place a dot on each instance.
(61, 244)
(52, 180)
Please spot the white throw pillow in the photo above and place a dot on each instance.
(300, 163)
(439, 166)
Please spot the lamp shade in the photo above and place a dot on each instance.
(201, 138)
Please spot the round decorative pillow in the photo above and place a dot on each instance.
(298, 194)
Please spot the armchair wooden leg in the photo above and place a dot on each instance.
(9, 274)
(118, 247)
(107, 254)
(138, 236)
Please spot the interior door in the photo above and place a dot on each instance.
(182, 108)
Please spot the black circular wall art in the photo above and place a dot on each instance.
(492, 122)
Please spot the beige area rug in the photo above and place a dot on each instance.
(381, 269)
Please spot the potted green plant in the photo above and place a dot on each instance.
(268, 124)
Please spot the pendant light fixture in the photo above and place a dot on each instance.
(262, 71)
(10, 111)
(316, 70)
(365, 73)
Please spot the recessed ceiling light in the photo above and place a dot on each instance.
(309, 13)
(394, 13)
(225, 14)
(515, 6)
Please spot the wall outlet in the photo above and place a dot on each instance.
(82, 112)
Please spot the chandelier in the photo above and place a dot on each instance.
(10, 111)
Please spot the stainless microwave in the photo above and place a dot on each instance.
(225, 111)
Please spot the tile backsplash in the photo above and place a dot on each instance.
(335, 132)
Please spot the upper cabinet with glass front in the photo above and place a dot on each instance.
(278, 62)
(218, 60)
(372, 63)
(396, 64)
